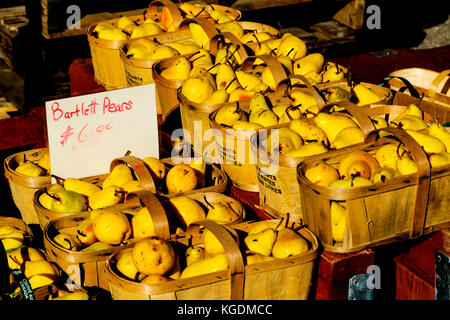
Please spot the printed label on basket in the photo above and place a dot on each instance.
(86, 132)
(267, 181)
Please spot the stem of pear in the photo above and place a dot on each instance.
(59, 180)
(207, 202)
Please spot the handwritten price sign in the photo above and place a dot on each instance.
(86, 132)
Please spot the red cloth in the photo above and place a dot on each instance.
(82, 79)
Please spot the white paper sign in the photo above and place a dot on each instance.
(86, 132)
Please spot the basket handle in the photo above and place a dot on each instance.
(414, 93)
(363, 119)
(423, 176)
(172, 7)
(207, 26)
(156, 211)
(139, 168)
(214, 44)
(234, 256)
(436, 82)
(278, 72)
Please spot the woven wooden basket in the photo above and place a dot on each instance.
(279, 190)
(286, 279)
(168, 88)
(404, 207)
(106, 60)
(195, 116)
(16, 223)
(215, 181)
(432, 84)
(87, 268)
(24, 187)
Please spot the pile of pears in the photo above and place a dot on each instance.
(36, 168)
(74, 195)
(132, 28)
(298, 135)
(39, 271)
(107, 228)
(362, 168)
(264, 241)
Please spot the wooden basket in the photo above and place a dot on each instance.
(195, 116)
(87, 268)
(402, 208)
(168, 88)
(286, 279)
(279, 190)
(24, 187)
(216, 181)
(433, 85)
(16, 223)
(106, 60)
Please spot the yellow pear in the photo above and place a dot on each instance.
(289, 243)
(113, 33)
(240, 94)
(292, 47)
(264, 117)
(12, 237)
(225, 75)
(217, 262)
(302, 99)
(439, 159)
(268, 79)
(338, 217)
(83, 187)
(201, 58)
(162, 52)
(67, 241)
(108, 196)
(358, 163)
(179, 69)
(156, 166)
(232, 27)
(40, 273)
(228, 114)
(412, 110)
(45, 198)
(347, 137)
(247, 80)
(365, 95)
(283, 142)
(199, 35)
(44, 160)
(258, 226)
(308, 131)
(386, 155)
(291, 113)
(153, 255)
(212, 245)
(140, 48)
(306, 150)
(76, 295)
(287, 63)
(119, 175)
(181, 178)
(332, 124)
(29, 168)
(220, 16)
(197, 89)
(261, 242)
(257, 258)
(245, 125)
(350, 182)
(142, 224)
(97, 246)
(438, 131)
(191, 10)
(406, 165)
(258, 102)
(18, 256)
(68, 201)
(333, 73)
(155, 279)
(126, 266)
(429, 143)
(217, 97)
(321, 173)
(310, 62)
(186, 209)
(194, 253)
(112, 227)
(383, 174)
(411, 122)
(146, 29)
(221, 213)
